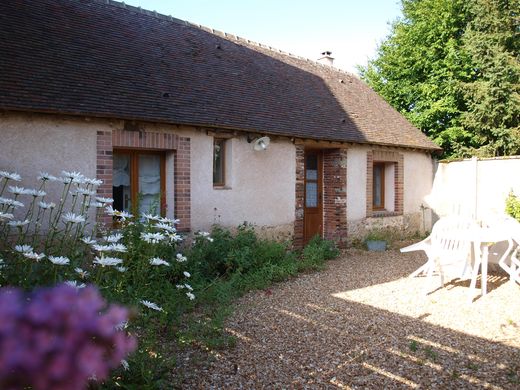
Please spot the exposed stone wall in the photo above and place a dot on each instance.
(300, 196)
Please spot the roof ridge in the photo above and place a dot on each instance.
(223, 34)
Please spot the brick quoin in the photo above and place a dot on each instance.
(168, 142)
(335, 196)
(390, 157)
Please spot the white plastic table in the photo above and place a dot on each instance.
(483, 238)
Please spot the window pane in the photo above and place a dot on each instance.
(150, 183)
(311, 167)
(311, 194)
(121, 182)
(378, 185)
(218, 161)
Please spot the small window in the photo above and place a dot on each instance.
(378, 191)
(219, 155)
(138, 178)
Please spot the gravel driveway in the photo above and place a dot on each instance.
(362, 324)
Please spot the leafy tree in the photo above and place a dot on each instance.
(419, 66)
(451, 67)
(492, 39)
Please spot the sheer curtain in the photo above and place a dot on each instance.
(149, 183)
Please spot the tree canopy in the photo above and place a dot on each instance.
(452, 68)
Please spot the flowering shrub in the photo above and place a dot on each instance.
(54, 242)
(513, 206)
(59, 338)
(135, 262)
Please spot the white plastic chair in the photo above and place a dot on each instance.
(513, 268)
(448, 248)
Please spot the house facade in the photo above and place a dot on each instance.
(168, 115)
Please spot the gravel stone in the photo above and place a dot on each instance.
(362, 323)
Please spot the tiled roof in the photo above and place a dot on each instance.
(106, 59)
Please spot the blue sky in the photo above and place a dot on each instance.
(351, 29)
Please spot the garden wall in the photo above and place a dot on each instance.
(474, 187)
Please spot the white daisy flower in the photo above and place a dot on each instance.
(34, 255)
(187, 274)
(73, 218)
(188, 287)
(113, 238)
(180, 258)
(174, 237)
(190, 295)
(121, 269)
(11, 202)
(125, 365)
(158, 261)
(151, 305)
(23, 248)
(180, 286)
(88, 240)
(75, 177)
(116, 213)
(6, 215)
(104, 200)
(18, 223)
(117, 248)
(85, 192)
(151, 217)
(101, 248)
(17, 190)
(11, 176)
(152, 238)
(166, 227)
(94, 182)
(44, 176)
(81, 272)
(46, 206)
(2, 264)
(59, 260)
(35, 193)
(73, 283)
(108, 261)
(170, 221)
(96, 205)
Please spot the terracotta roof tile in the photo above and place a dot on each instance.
(101, 58)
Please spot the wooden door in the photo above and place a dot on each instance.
(313, 199)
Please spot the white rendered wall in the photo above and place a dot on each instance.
(31, 144)
(356, 183)
(260, 186)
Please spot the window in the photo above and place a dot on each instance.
(219, 155)
(378, 189)
(138, 178)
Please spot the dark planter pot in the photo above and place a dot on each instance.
(376, 245)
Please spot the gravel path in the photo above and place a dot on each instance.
(362, 324)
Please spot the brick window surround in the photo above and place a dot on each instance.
(334, 196)
(385, 157)
(168, 142)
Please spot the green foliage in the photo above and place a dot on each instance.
(513, 206)
(492, 96)
(419, 65)
(451, 68)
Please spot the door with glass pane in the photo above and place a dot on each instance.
(313, 210)
(138, 179)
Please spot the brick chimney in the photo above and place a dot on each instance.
(326, 58)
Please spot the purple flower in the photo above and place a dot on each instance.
(58, 338)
